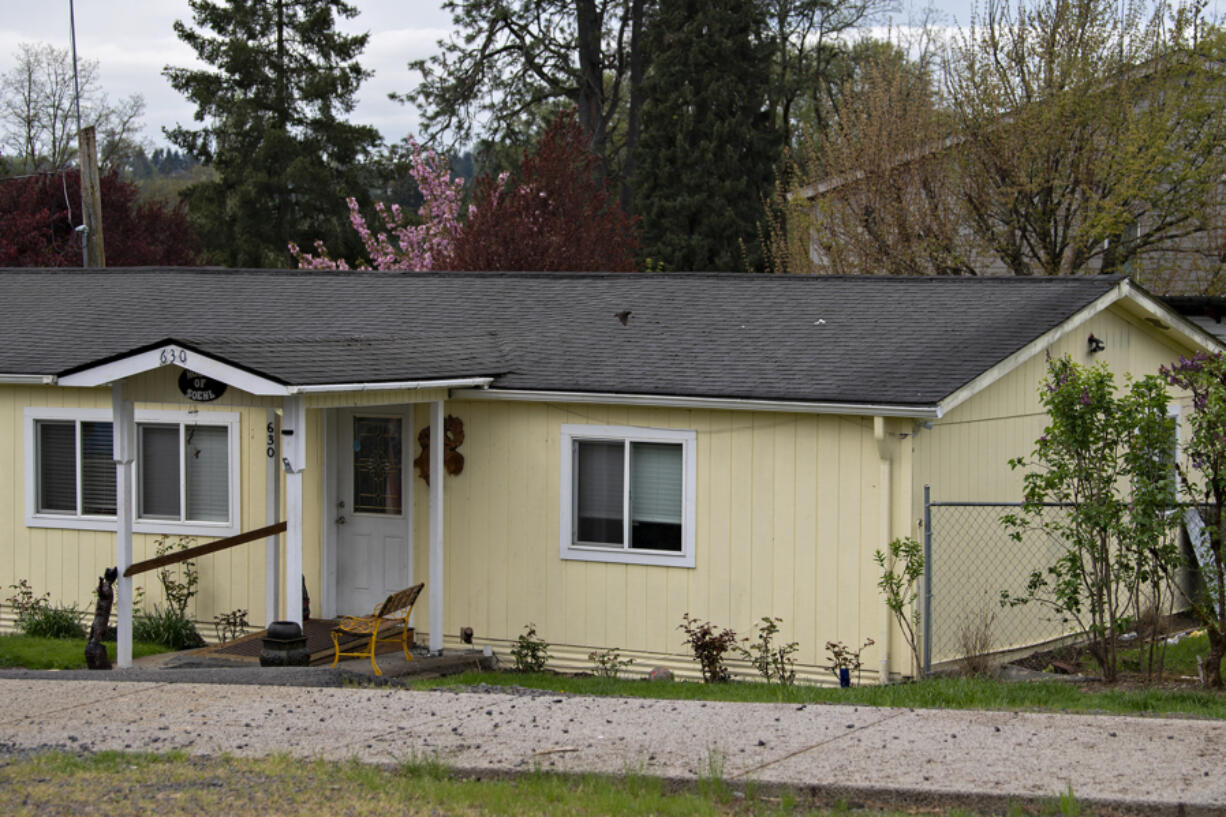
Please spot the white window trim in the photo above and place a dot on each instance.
(34, 519)
(596, 553)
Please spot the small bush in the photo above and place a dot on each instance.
(902, 567)
(231, 625)
(168, 627)
(773, 661)
(530, 652)
(23, 601)
(708, 646)
(844, 657)
(609, 663)
(53, 621)
(38, 617)
(178, 581)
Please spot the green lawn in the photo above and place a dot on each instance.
(29, 652)
(936, 693)
(174, 784)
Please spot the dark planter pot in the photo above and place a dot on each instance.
(284, 646)
(844, 677)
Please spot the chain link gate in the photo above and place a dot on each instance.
(969, 558)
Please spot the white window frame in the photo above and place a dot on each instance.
(624, 554)
(35, 519)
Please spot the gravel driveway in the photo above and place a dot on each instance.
(930, 757)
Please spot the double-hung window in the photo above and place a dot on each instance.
(186, 474)
(628, 495)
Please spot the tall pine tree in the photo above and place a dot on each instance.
(707, 151)
(274, 111)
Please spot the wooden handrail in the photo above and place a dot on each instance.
(201, 550)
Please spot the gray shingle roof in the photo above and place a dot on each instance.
(907, 341)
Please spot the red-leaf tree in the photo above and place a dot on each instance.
(39, 216)
(556, 216)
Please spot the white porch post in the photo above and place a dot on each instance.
(293, 458)
(123, 436)
(436, 526)
(272, 513)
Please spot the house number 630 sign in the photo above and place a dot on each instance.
(172, 355)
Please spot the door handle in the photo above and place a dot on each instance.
(340, 520)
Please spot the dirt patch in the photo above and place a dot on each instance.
(1075, 659)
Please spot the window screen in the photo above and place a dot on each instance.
(655, 496)
(206, 469)
(599, 472)
(159, 471)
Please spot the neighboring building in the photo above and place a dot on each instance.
(634, 446)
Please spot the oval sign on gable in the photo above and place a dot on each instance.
(198, 388)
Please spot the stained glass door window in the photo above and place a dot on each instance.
(377, 449)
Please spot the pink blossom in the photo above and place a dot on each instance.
(402, 245)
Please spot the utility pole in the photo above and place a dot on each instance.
(91, 198)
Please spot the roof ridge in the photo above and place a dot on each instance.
(962, 280)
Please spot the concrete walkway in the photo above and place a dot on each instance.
(899, 757)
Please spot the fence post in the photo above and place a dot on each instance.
(927, 581)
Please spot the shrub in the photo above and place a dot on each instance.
(530, 652)
(23, 601)
(179, 583)
(608, 663)
(774, 662)
(708, 646)
(901, 571)
(231, 625)
(37, 616)
(53, 621)
(844, 657)
(168, 627)
(1107, 459)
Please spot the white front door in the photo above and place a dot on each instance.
(374, 554)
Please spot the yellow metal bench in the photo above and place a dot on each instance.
(394, 610)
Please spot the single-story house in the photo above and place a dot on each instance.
(617, 450)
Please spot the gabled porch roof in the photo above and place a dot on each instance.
(199, 357)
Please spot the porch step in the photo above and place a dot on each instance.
(318, 632)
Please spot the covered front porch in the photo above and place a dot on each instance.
(357, 505)
(243, 654)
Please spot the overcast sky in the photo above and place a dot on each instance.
(132, 40)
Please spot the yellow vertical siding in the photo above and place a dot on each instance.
(787, 506)
(964, 458)
(67, 563)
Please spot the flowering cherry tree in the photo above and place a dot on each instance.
(554, 215)
(404, 244)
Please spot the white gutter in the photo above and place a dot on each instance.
(28, 379)
(884, 454)
(716, 403)
(393, 385)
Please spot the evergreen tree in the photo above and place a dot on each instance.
(708, 150)
(275, 125)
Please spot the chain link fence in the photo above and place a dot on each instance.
(969, 559)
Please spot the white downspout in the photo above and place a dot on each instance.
(884, 454)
